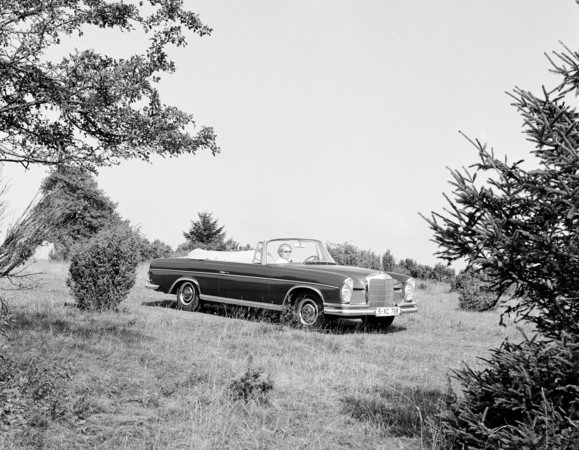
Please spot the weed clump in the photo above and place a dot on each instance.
(252, 385)
(288, 316)
(32, 393)
(103, 271)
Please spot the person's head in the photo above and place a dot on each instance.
(284, 251)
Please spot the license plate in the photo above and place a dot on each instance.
(391, 311)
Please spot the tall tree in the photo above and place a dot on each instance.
(89, 109)
(206, 233)
(85, 207)
(521, 228)
(388, 261)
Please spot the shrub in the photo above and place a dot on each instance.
(151, 250)
(475, 292)
(442, 272)
(527, 397)
(103, 271)
(347, 254)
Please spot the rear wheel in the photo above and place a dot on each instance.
(187, 297)
(309, 311)
(377, 323)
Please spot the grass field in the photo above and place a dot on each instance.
(153, 377)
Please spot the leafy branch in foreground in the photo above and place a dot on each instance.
(90, 109)
(35, 224)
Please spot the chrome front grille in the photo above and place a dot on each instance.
(380, 292)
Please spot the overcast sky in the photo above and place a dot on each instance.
(336, 118)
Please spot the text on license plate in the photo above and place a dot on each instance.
(390, 311)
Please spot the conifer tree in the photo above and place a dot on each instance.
(206, 233)
(520, 226)
(86, 207)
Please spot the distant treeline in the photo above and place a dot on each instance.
(349, 255)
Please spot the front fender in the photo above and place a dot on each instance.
(303, 288)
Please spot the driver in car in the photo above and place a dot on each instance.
(284, 251)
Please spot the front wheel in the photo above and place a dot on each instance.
(187, 297)
(377, 323)
(309, 312)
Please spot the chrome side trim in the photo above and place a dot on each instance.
(309, 283)
(184, 270)
(154, 287)
(233, 301)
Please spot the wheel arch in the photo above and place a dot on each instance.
(297, 290)
(180, 281)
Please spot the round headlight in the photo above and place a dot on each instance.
(409, 289)
(346, 290)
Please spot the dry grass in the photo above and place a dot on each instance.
(154, 377)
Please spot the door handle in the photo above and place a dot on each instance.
(223, 272)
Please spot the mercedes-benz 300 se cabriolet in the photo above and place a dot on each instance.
(292, 274)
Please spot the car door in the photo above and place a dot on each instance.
(245, 284)
(206, 273)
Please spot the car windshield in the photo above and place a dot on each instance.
(281, 251)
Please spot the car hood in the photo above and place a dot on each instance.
(357, 274)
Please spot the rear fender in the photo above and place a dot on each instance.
(176, 284)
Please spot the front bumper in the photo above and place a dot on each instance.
(151, 286)
(362, 310)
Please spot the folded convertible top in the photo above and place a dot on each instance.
(245, 256)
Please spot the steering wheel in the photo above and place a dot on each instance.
(312, 258)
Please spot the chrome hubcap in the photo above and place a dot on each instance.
(187, 294)
(308, 314)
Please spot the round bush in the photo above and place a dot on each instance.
(474, 291)
(103, 271)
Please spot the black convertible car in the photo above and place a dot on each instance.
(285, 273)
